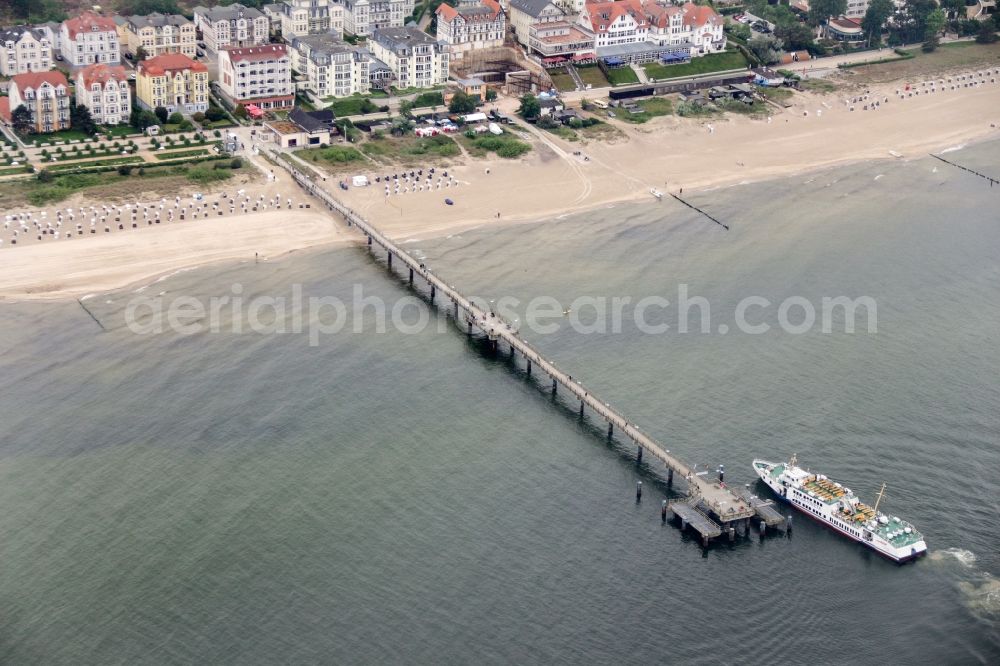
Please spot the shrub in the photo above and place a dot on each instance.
(125, 169)
(237, 163)
(175, 118)
(44, 176)
(198, 117)
(201, 174)
(513, 149)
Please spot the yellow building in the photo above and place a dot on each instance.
(157, 34)
(173, 81)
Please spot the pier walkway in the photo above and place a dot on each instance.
(720, 500)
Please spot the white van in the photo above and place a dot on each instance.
(600, 103)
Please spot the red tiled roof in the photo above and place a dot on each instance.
(35, 79)
(597, 11)
(5, 109)
(169, 62)
(100, 73)
(256, 53)
(659, 15)
(699, 15)
(86, 22)
(449, 13)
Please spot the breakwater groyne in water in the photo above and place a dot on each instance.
(992, 181)
(711, 507)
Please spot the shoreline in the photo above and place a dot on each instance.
(553, 182)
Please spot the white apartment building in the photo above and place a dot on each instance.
(24, 49)
(332, 67)
(473, 24)
(258, 75)
(234, 25)
(104, 90)
(415, 58)
(306, 17)
(620, 22)
(697, 25)
(157, 34)
(90, 38)
(615, 22)
(363, 17)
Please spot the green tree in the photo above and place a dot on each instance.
(175, 118)
(20, 119)
(38, 11)
(406, 108)
(462, 103)
(530, 108)
(797, 36)
(911, 20)
(491, 95)
(987, 32)
(821, 10)
(80, 118)
(740, 31)
(875, 17)
(935, 22)
(161, 114)
(142, 118)
(215, 114)
(766, 48)
(954, 7)
(933, 25)
(140, 54)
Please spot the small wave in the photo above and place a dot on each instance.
(965, 557)
(85, 297)
(879, 176)
(952, 149)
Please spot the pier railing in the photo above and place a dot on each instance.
(726, 505)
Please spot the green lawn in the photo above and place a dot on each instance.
(426, 99)
(593, 75)
(177, 154)
(715, 62)
(622, 76)
(562, 80)
(117, 130)
(10, 171)
(331, 154)
(410, 149)
(352, 106)
(65, 135)
(94, 163)
(651, 108)
(505, 145)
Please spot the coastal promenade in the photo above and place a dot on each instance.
(724, 505)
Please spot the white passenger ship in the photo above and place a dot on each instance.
(836, 506)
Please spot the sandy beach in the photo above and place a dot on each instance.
(668, 154)
(73, 269)
(671, 153)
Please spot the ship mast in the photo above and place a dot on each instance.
(878, 498)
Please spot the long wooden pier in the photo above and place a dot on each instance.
(722, 503)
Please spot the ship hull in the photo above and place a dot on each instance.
(900, 556)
